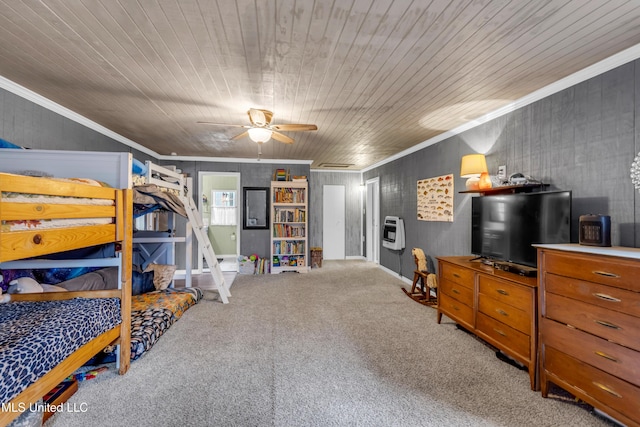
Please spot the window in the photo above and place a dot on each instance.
(224, 199)
(223, 207)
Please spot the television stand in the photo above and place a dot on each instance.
(483, 260)
(497, 306)
(521, 270)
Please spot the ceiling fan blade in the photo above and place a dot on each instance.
(281, 137)
(242, 135)
(260, 118)
(223, 124)
(293, 127)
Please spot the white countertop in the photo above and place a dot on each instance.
(619, 251)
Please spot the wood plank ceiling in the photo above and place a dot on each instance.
(376, 76)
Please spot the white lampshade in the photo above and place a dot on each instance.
(259, 134)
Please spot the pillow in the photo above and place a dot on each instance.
(162, 275)
(106, 278)
(141, 283)
(138, 168)
(7, 144)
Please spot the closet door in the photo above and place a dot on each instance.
(333, 222)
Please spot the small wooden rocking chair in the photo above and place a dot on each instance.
(423, 281)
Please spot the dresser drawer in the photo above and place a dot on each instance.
(607, 356)
(606, 389)
(517, 296)
(455, 309)
(456, 291)
(610, 325)
(460, 275)
(618, 272)
(594, 293)
(505, 313)
(507, 337)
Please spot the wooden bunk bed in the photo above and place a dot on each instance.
(16, 245)
(151, 314)
(116, 170)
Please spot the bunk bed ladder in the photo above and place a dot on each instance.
(205, 245)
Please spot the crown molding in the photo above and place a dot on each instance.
(596, 69)
(30, 95)
(608, 64)
(233, 160)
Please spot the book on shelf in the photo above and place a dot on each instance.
(289, 195)
(281, 175)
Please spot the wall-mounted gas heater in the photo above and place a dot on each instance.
(393, 233)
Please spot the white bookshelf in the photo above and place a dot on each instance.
(289, 226)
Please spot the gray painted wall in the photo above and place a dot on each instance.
(251, 175)
(353, 220)
(30, 125)
(582, 139)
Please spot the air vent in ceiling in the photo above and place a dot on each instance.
(335, 165)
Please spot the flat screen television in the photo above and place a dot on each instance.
(503, 227)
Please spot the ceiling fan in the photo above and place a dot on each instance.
(261, 129)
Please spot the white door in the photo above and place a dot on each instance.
(333, 222)
(372, 212)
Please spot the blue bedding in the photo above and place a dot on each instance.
(37, 336)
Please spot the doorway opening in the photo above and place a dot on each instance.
(372, 220)
(219, 202)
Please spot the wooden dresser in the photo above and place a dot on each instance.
(497, 306)
(590, 326)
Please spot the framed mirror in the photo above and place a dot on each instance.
(255, 214)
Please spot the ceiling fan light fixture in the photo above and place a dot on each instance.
(260, 134)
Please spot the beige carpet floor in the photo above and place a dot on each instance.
(339, 346)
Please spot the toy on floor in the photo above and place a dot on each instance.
(423, 281)
(88, 375)
(27, 285)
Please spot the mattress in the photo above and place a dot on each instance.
(37, 336)
(154, 312)
(39, 224)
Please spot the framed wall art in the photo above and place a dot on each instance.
(435, 199)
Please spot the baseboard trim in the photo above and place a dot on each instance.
(395, 274)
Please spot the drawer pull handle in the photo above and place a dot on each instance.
(455, 291)
(504, 313)
(37, 239)
(606, 297)
(502, 292)
(605, 273)
(606, 356)
(500, 332)
(456, 308)
(607, 324)
(456, 275)
(607, 389)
